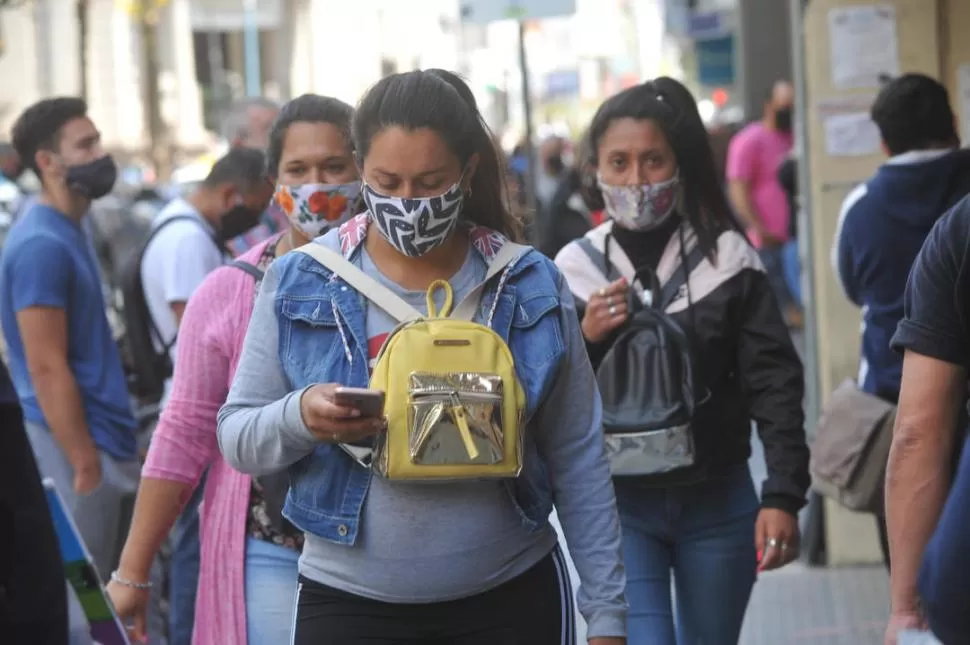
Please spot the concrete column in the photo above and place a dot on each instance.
(19, 65)
(182, 98)
(764, 50)
(115, 71)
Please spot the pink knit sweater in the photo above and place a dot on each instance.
(184, 444)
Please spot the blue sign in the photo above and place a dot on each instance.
(715, 61)
(562, 84)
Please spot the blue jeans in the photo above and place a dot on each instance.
(792, 268)
(271, 584)
(703, 534)
(775, 272)
(184, 571)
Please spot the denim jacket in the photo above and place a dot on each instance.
(308, 327)
(323, 340)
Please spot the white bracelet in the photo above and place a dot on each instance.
(129, 583)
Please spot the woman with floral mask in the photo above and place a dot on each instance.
(249, 554)
(655, 174)
(472, 561)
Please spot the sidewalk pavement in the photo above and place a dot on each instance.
(799, 605)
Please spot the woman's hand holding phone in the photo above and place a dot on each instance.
(330, 419)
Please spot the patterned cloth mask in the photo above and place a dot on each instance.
(415, 225)
(640, 207)
(314, 208)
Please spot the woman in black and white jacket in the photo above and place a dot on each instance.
(705, 523)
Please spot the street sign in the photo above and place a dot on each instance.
(715, 61)
(486, 11)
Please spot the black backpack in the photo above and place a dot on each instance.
(148, 367)
(646, 378)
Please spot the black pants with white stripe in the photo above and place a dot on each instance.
(534, 609)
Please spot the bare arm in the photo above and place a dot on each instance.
(157, 506)
(740, 193)
(43, 331)
(178, 309)
(918, 474)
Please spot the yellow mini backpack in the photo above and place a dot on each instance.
(453, 403)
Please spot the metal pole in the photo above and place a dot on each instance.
(251, 46)
(530, 172)
(813, 525)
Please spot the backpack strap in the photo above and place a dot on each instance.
(599, 258)
(365, 285)
(246, 267)
(153, 328)
(668, 292)
(506, 256)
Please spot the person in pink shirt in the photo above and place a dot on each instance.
(754, 155)
(248, 573)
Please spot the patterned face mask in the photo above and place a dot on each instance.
(314, 208)
(416, 225)
(640, 207)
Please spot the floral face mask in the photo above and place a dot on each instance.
(314, 208)
(640, 207)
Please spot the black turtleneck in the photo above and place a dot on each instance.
(645, 248)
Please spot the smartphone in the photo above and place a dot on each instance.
(370, 403)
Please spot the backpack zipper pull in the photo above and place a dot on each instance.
(460, 416)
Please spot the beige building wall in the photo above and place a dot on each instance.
(930, 40)
(41, 60)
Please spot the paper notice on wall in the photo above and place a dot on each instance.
(852, 134)
(963, 101)
(863, 43)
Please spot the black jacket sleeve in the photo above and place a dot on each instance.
(774, 385)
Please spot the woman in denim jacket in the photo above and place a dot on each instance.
(393, 562)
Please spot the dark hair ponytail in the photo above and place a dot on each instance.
(306, 108)
(672, 107)
(439, 100)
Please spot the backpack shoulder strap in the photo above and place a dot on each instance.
(153, 329)
(246, 267)
(599, 258)
(509, 253)
(365, 285)
(171, 220)
(668, 292)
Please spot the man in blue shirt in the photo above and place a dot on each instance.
(64, 361)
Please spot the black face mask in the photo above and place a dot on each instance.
(93, 180)
(783, 119)
(237, 220)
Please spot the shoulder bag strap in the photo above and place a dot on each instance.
(246, 267)
(507, 255)
(365, 285)
(599, 258)
(668, 292)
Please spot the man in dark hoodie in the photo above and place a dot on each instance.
(885, 220)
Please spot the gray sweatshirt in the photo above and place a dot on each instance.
(423, 543)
